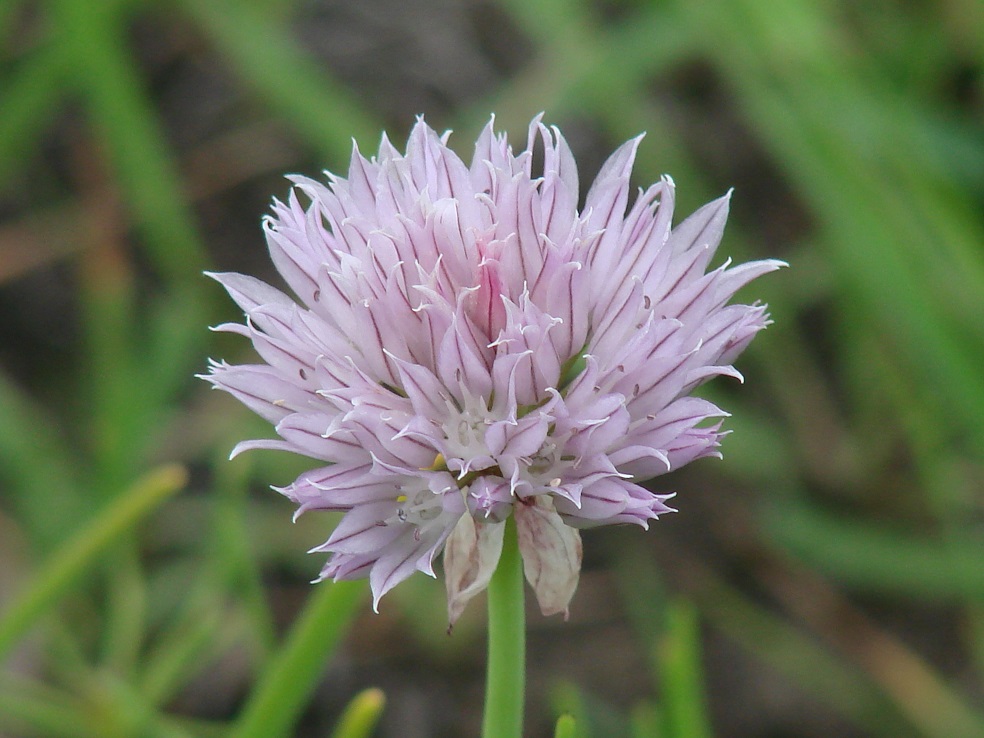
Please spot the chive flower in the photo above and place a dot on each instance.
(467, 345)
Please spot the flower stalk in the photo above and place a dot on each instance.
(506, 670)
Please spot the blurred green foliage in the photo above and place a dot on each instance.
(859, 437)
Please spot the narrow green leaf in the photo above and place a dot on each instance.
(777, 643)
(290, 679)
(566, 727)
(361, 715)
(234, 550)
(681, 675)
(173, 344)
(29, 708)
(876, 558)
(189, 643)
(569, 701)
(34, 458)
(591, 715)
(895, 238)
(110, 380)
(260, 49)
(127, 126)
(582, 65)
(125, 624)
(28, 98)
(67, 565)
(130, 714)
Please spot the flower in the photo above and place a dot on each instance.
(468, 345)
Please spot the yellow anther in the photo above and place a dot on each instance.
(438, 464)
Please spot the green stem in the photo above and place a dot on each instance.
(506, 678)
(290, 679)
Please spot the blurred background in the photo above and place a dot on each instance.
(826, 578)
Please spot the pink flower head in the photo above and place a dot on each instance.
(467, 345)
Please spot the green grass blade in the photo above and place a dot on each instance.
(361, 715)
(111, 381)
(885, 231)
(566, 727)
(878, 559)
(290, 679)
(569, 701)
(188, 644)
(235, 551)
(28, 708)
(681, 675)
(126, 123)
(67, 565)
(173, 346)
(29, 97)
(581, 64)
(772, 640)
(33, 458)
(129, 713)
(260, 49)
(591, 714)
(125, 614)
